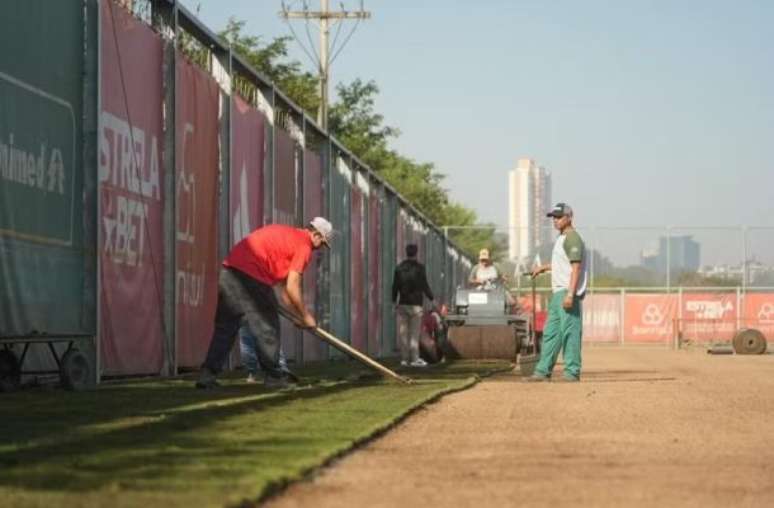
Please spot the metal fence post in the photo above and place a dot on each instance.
(679, 317)
(622, 316)
(744, 259)
(165, 18)
(668, 259)
(92, 94)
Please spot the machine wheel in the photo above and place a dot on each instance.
(10, 371)
(75, 371)
(749, 342)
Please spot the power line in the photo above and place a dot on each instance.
(325, 18)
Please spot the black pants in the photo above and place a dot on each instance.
(242, 299)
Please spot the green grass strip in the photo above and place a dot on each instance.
(163, 443)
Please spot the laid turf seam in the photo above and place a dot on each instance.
(276, 487)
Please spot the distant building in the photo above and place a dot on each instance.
(757, 272)
(649, 259)
(680, 253)
(723, 271)
(529, 196)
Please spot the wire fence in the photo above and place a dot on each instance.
(664, 256)
(667, 317)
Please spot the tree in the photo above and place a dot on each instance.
(271, 59)
(354, 121)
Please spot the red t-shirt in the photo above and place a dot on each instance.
(269, 253)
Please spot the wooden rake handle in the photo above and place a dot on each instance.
(346, 348)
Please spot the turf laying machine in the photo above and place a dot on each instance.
(486, 325)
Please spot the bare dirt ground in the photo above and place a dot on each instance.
(645, 427)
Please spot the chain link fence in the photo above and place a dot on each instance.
(671, 285)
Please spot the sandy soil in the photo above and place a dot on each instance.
(644, 428)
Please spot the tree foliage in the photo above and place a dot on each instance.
(271, 59)
(355, 122)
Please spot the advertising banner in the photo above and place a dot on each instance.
(602, 318)
(374, 275)
(44, 266)
(340, 208)
(131, 178)
(649, 318)
(247, 156)
(357, 260)
(285, 195)
(708, 317)
(388, 243)
(759, 313)
(313, 207)
(196, 225)
(285, 178)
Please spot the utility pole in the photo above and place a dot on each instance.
(326, 20)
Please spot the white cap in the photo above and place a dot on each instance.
(323, 227)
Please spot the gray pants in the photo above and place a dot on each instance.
(243, 299)
(409, 327)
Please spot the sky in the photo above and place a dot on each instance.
(646, 112)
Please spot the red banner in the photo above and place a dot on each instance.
(357, 256)
(247, 155)
(196, 158)
(313, 207)
(649, 317)
(602, 318)
(708, 317)
(285, 178)
(285, 181)
(131, 196)
(759, 313)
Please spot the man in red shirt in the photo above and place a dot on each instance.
(269, 256)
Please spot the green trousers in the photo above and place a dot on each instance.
(563, 331)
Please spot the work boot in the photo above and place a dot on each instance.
(277, 383)
(206, 379)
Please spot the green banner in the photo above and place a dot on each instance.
(45, 268)
(37, 163)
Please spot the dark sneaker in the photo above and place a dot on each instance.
(292, 378)
(537, 378)
(277, 383)
(206, 379)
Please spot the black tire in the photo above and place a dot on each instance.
(749, 341)
(10, 371)
(75, 371)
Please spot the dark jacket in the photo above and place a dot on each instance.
(410, 282)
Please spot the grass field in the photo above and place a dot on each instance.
(163, 443)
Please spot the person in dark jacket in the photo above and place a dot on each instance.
(409, 287)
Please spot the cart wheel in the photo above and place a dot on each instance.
(75, 371)
(749, 342)
(10, 371)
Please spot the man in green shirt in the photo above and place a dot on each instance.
(564, 326)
